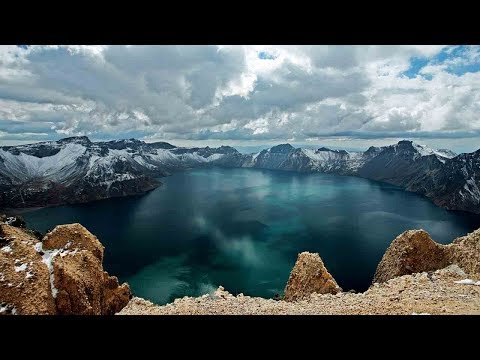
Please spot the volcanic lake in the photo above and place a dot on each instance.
(243, 229)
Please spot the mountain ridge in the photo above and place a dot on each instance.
(75, 169)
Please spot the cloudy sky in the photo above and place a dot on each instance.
(339, 96)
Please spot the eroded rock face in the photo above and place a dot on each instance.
(465, 252)
(411, 252)
(24, 278)
(309, 276)
(61, 275)
(414, 251)
(63, 235)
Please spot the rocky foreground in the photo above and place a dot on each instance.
(425, 293)
(415, 276)
(61, 273)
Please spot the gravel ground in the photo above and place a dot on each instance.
(422, 293)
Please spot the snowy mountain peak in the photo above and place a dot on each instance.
(282, 148)
(83, 140)
(343, 152)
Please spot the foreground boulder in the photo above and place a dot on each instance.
(24, 278)
(414, 251)
(309, 276)
(62, 274)
(411, 252)
(465, 252)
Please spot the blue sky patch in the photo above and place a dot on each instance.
(416, 64)
(446, 56)
(266, 56)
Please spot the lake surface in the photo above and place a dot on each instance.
(243, 229)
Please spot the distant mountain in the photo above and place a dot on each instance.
(76, 170)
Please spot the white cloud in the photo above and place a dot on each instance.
(232, 93)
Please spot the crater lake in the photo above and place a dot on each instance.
(243, 229)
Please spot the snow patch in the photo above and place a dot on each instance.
(7, 249)
(48, 259)
(10, 220)
(22, 267)
(7, 308)
(29, 275)
(468, 282)
(38, 246)
(414, 313)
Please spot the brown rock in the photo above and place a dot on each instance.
(78, 278)
(465, 252)
(411, 252)
(309, 276)
(72, 236)
(115, 297)
(74, 258)
(24, 278)
(85, 289)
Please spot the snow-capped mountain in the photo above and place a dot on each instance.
(456, 184)
(451, 181)
(76, 170)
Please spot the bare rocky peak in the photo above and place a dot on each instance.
(62, 274)
(309, 276)
(414, 251)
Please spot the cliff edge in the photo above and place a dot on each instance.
(60, 273)
(415, 276)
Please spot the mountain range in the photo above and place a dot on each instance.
(76, 170)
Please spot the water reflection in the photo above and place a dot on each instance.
(243, 229)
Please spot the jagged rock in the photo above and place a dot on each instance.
(79, 281)
(62, 275)
(465, 252)
(414, 251)
(24, 278)
(115, 296)
(411, 252)
(309, 276)
(65, 236)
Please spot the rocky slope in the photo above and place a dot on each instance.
(436, 293)
(411, 281)
(414, 251)
(60, 273)
(74, 170)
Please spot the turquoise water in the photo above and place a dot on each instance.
(243, 229)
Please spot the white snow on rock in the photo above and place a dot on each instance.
(22, 267)
(442, 155)
(47, 258)
(4, 308)
(468, 282)
(38, 246)
(26, 166)
(414, 313)
(7, 249)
